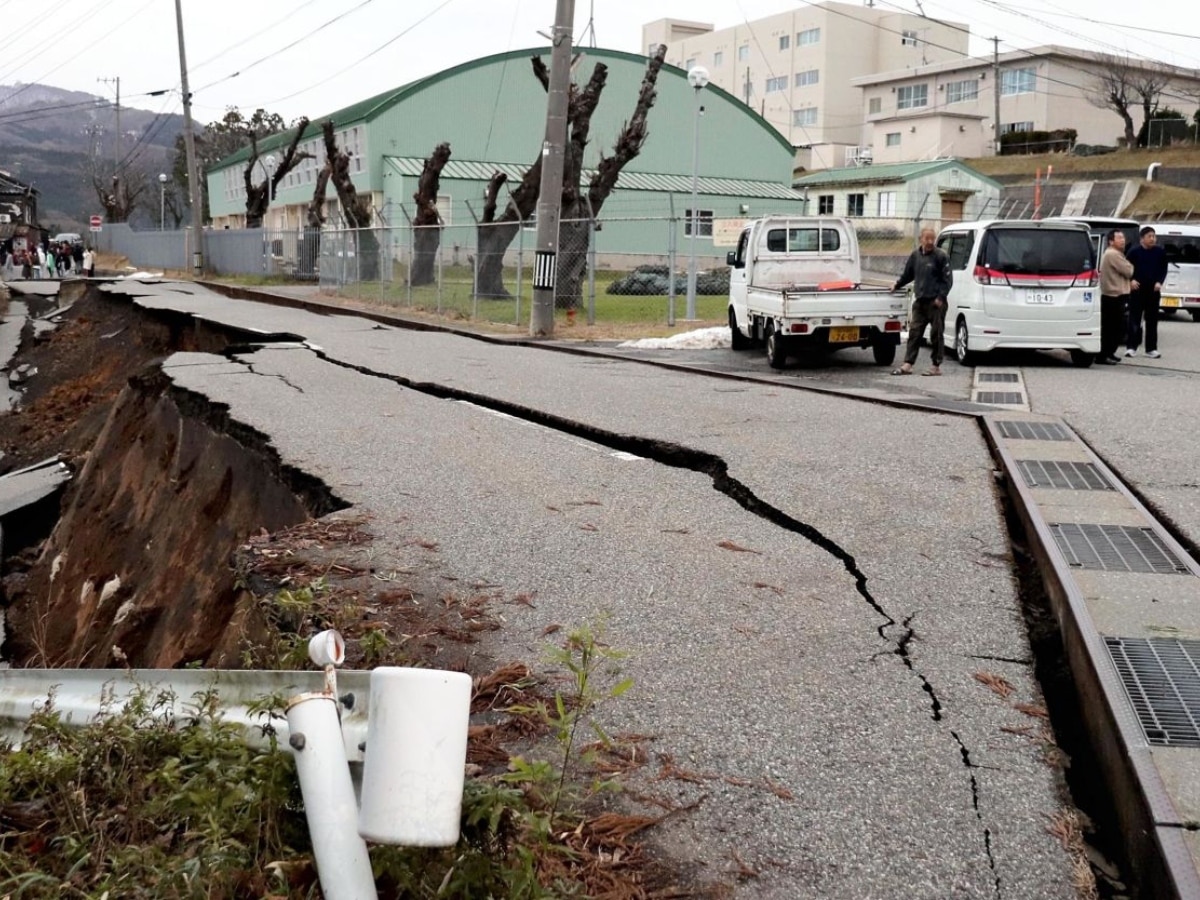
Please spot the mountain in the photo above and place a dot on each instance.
(52, 138)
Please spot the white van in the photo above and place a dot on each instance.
(1022, 284)
(1181, 290)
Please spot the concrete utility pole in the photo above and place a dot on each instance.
(189, 141)
(117, 145)
(545, 269)
(996, 94)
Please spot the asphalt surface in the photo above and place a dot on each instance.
(809, 645)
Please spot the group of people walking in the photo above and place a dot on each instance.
(1131, 283)
(50, 260)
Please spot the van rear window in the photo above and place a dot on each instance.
(1180, 248)
(803, 240)
(1037, 251)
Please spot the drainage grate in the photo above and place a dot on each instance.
(1032, 431)
(1116, 548)
(1163, 684)
(1011, 398)
(1007, 377)
(1071, 476)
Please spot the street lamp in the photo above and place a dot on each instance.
(697, 77)
(162, 201)
(271, 163)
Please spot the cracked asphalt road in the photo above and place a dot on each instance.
(806, 585)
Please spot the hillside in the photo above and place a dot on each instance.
(48, 135)
(1175, 192)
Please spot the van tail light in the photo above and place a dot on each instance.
(984, 275)
(1090, 278)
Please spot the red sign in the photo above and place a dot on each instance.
(96, 221)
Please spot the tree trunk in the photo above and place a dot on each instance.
(355, 209)
(573, 238)
(428, 224)
(493, 240)
(258, 195)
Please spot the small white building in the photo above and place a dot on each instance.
(895, 195)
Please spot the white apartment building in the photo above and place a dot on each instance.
(797, 68)
(949, 108)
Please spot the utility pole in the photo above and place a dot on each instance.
(116, 178)
(189, 141)
(996, 94)
(545, 269)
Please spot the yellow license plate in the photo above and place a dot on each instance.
(843, 335)
(1171, 301)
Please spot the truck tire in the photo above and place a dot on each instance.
(737, 340)
(1081, 360)
(776, 347)
(883, 350)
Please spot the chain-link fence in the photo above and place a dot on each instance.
(617, 270)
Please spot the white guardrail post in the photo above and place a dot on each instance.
(416, 743)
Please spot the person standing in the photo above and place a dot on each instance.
(1149, 272)
(928, 268)
(1115, 274)
(89, 263)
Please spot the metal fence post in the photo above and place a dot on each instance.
(408, 263)
(591, 262)
(474, 264)
(520, 263)
(672, 237)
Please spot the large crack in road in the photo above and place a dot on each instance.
(677, 456)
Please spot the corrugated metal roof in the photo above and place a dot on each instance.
(628, 181)
(888, 173)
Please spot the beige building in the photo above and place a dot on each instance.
(797, 68)
(949, 108)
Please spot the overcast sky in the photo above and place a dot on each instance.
(311, 57)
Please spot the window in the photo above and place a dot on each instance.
(808, 36)
(803, 240)
(908, 38)
(887, 203)
(1010, 127)
(445, 203)
(718, 58)
(855, 204)
(804, 116)
(912, 95)
(775, 85)
(804, 79)
(892, 139)
(874, 106)
(962, 91)
(690, 64)
(1020, 251)
(704, 220)
(1018, 81)
(743, 52)
(825, 204)
(958, 247)
(785, 41)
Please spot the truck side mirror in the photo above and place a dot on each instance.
(731, 259)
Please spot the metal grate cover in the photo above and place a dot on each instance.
(1032, 431)
(1071, 476)
(1162, 681)
(1116, 548)
(1009, 397)
(1007, 377)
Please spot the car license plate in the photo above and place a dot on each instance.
(1039, 297)
(843, 335)
(1172, 302)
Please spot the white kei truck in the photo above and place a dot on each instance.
(795, 287)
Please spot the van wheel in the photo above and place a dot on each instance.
(776, 347)
(1195, 314)
(883, 351)
(962, 349)
(1081, 360)
(737, 340)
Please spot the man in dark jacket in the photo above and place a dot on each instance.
(928, 268)
(1149, 272)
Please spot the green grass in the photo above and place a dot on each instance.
(454, 298)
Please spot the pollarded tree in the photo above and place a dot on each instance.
(220, 139)
(427, 223)
(355, 209)
(1122, 84)
(579, 203)
(258, 194)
